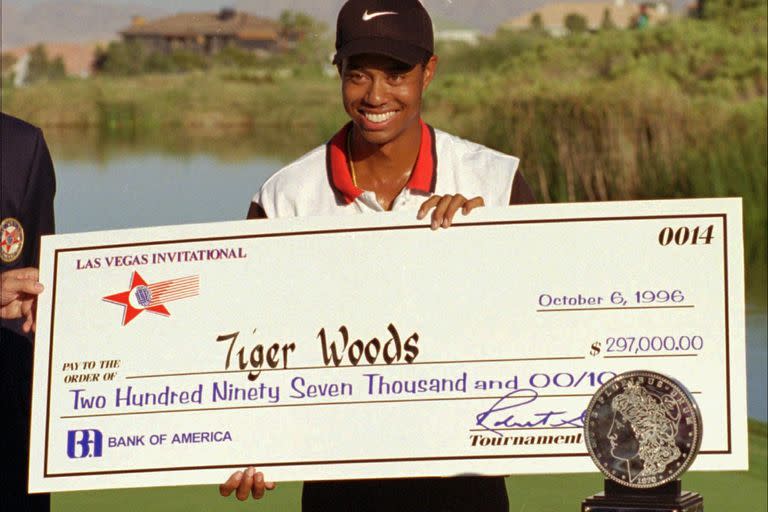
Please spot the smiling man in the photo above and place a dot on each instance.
(388, 159)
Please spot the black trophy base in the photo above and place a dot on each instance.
(666, 498)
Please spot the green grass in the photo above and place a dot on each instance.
(722, 491)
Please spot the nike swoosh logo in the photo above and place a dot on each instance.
(369, 16)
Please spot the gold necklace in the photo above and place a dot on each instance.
(349, 158)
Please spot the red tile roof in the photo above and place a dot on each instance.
(206, 24)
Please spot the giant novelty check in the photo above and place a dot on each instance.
(370, 346)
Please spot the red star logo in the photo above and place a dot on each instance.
(10, 238)
(138, 298)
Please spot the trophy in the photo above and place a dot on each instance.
(643, 430)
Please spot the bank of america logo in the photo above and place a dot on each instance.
(141, 296)
(84, 443)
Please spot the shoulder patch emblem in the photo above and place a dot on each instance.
(12, 240)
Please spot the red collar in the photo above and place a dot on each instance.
(422, 178)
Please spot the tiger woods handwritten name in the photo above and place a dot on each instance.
(255, 357)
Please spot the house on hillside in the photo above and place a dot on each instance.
(623, 13)
(206, 33)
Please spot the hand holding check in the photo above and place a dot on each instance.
(243, 483)
(19, 289)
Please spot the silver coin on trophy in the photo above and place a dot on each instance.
(643, 431)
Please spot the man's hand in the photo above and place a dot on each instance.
(19, 289)
(445, 207)
(246, 482)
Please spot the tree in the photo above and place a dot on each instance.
(37, 64)
(41, 68)
(537, 23)
(56, 69)
(607, 21)
(575, 23)
(121, 59)
(723, 8)
(306, 35)
(296, 25)
(8, 60)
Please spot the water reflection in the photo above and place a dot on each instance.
(164, 179)
(228, 144)
(757, 362)
(154, 189)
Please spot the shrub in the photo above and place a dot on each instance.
(575, 23)
(41, 68)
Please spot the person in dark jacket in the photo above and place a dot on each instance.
(27, 188)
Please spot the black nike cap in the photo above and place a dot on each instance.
(401, 29)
